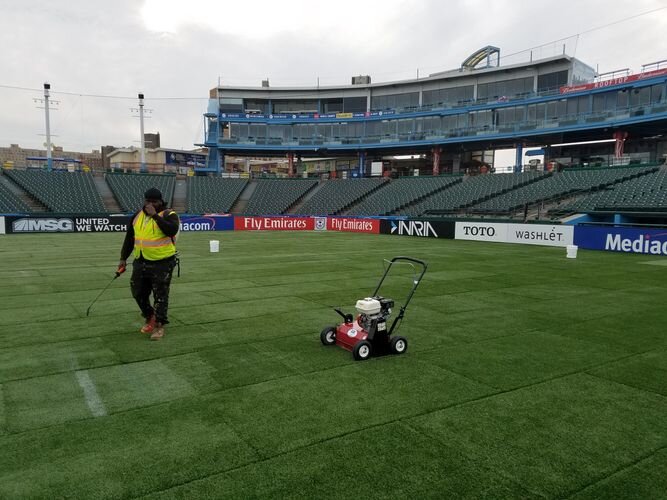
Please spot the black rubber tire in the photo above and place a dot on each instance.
(398, 345)
(328, 335)
(362, 350)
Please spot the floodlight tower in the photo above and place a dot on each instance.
(141, 127)
(49, 158)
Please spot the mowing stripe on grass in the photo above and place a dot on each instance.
(93, 399)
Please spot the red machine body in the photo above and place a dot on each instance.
(349, 334)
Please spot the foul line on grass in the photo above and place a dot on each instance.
(93, 399)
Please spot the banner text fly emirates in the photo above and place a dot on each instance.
(353, 225)
(274, 223)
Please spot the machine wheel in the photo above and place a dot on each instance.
(362, 350)
(398, 345)
(328, 335)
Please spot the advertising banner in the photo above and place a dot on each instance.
(616, 239)
(534, 234)
(106, 224)
(421, 228)
(66, 224)
(525, 234)
(613, 81)
(184, 159)
(274, 223)
(206, 223)
(353, 225)
(481, 231)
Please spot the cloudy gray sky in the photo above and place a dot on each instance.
(174, 51)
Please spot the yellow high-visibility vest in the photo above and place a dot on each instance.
(149, 240)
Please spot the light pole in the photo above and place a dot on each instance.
(49, 159)
(141, 127)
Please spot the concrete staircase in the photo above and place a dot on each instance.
(299, 203)
(33, 204)
(241, 202)
(179, 202)
(108, 198)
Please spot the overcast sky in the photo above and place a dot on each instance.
(174, 51)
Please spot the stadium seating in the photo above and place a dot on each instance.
(472, 190)
(556, 186)
(337, 194)
(213, 194)
(644, 193)
(275, 196)
(129, 189)
(60, 191)
(400, 193)
(10, 203)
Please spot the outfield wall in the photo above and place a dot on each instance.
(608, 238)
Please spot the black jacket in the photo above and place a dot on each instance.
(169, 226)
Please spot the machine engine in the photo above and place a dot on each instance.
(373, 313)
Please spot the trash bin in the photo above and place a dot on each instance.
(572, 251)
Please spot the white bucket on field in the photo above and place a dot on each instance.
(214, 246)
(572, 251)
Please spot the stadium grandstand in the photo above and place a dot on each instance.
(421, 147)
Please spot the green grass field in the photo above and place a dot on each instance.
(528, 375)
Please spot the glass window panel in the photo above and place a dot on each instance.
(354, 104)
(551, 110)
(571, 107)
(551, 81)
(584, 104)
(231, 105)
(657, 92)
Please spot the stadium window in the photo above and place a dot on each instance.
(257, 106)
(561, 108)
(550, 81)
(231, 105)
(657, 93)
(332, 105)
(571, 107)
(354, 104)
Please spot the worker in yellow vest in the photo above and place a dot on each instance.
(151, 239)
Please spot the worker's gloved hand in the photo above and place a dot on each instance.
(122, 265)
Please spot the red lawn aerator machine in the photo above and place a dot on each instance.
(368, 335)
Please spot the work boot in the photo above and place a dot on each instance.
(149, 326)
(158, 333)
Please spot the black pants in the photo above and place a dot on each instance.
(152, 276)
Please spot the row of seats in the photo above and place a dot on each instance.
(60, 191)
(337, 194)
(627, 188)
(557, 186)
(275, 196)
(401, 192)
(129, 189)
(470, 191)
(213, 194)
(647, 192)
(10, 203)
